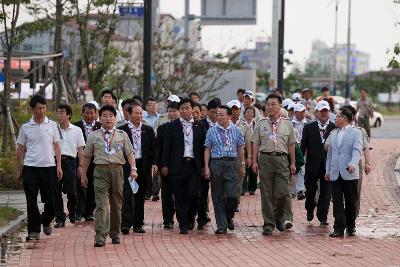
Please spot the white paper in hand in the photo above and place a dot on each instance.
(134, 185)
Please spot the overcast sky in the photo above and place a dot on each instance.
(373, 26)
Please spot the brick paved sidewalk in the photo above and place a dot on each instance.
(377, 241)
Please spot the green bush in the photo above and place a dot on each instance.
(7, 214)
(8, 172)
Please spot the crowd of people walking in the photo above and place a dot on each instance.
(110, 162)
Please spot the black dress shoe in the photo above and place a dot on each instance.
(183, 231)
(72, 218)
(252, 193)
(155, 198)
(147, 197)
(115, 240)
(301, 195)
(208, 219)
(139, 230)
(220, 232)
(125, 230)
(59, 224)
(191, 224)
(310, 216)
(78, 217)
(336, 234)
(200, 226)
(168, 225)
(231, 225)
(99, 244)
(279, 225)
(351, 231)
(89, 218)
(267, 232)
(323, 223)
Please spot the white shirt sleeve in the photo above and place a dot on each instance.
(21, 137)
(56, 133)
(81, 140)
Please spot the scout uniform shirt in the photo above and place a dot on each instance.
(274, 137)
(108, 148)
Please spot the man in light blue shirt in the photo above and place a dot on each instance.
(343, 156)
(224, 144)
(151, 115)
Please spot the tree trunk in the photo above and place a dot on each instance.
(58, 48)
(6, 99)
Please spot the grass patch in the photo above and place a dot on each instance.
(7, 214)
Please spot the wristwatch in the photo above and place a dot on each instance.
(133, 169)
(243, 163)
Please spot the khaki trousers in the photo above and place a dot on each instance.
(108, 186)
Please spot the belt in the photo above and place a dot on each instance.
(225, 158)
(64, 157)
(111, 165)
(274, 153)
(188, 159)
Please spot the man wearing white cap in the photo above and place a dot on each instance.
(164, 117)
(299, 121)
(296, 97)
(235, 106)
(312, 145)
(249, 102)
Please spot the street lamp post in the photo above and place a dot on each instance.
(147, 32)
(281, 46)
(347, 89)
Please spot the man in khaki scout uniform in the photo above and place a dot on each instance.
(274, 138)
(108, 147)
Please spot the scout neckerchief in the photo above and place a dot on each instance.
(274, 127)
(322, 130)
(224, 133)
(187, 130)
(298, 126)
(88, 127)
(108, 139)
(210, 123)
(136, 134)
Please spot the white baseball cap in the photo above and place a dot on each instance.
(174, 98)
(290, 106)
(322, 105)
(95, 104)
(232, 103)
(296, 97)
(286, 102)
(298, 107)
(249, 94)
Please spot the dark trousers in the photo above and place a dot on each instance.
(43, 179)
(324, 199)
(167, 200)
(186, 184)
(156, 184)
(202, 214)
(344, 212)
(66, 185)
(224, 190)
(149, 186)
(133, 204)
(85, 196)
(250, 181)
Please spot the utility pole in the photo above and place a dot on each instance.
(334, 53)
(277, 44)
(347, 89)
(147, 32)
(186, 22)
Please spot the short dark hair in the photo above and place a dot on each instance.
(174, 105)
(67, 109)
(324, 89)
(107, 92)
(89, 106)
(194, 93)
(251, 108)
(258, 106)
(347, 113)
(213, 104)
(184, 101)
(150, 99)
(274, 96)
(37, 99)
(228, 109)
(240, 90)
(128, 101)
(138, 98)
(218, 100)
(363, 89)
(197, 105)
(107, 108)
(131, 106)
(352, 109)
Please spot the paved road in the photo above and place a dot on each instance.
(390, 129)
(377, 241)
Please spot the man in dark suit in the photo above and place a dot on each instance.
(167, 200)
(182, 159)
(143, 141)
(312, 145)
(202, 214)
(85, 196)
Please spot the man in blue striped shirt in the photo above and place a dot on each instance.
(224, 144)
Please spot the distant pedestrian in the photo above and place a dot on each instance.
(37, 154)
(365, 111)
